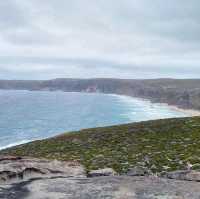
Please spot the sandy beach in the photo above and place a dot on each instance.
(187, 112)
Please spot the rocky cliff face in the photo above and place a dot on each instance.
(182, 93)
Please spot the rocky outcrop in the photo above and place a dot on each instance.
(137, 171)
(102, 172)
(17, 169)
(184, 175)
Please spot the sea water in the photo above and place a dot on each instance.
(30, 115)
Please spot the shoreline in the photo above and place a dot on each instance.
(15, 144)
(189, 112)
(186, 112)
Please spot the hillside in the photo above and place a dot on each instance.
(157, 146)
(182, 93)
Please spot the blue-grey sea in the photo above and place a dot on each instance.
(27, 116)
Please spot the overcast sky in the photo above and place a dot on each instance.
(43, 39)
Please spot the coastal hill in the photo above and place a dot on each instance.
(156, 146)
(183, 93)
(145, 160)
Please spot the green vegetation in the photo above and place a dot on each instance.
(161, 145)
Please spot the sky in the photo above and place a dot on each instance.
(45, 39)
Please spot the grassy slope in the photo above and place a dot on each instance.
(159, 145)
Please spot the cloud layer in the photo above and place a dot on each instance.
(99, 38)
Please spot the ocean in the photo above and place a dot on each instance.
(30, 115)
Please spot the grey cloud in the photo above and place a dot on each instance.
(11, 16)
(154, 37)
(37, 68)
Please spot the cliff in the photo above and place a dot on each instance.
(182, 93)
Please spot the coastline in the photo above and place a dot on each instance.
(15, 144)
(188, 112)
(185, 112)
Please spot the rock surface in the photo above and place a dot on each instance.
(137, 171)
(30, 178)
(102, 172)
(184, 175)
(115, 187)
(16, 169)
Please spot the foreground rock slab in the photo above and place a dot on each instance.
(110, 187)
(30, 178)
(17, 169)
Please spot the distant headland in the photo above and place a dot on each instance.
(182, 93)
